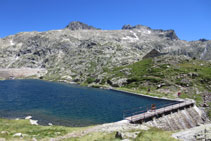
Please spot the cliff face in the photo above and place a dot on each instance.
(82, 49)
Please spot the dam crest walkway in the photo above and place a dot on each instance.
(143, 114)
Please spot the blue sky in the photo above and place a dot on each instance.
(191, 19)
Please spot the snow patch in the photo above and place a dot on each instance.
(145, 31)
(131, 39)
(33, 122)
(12, 43)
(28, 117)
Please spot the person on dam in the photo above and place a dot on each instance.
(153, 107)
(179, 94)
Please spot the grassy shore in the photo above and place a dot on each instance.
(153, 134)
(8, 129)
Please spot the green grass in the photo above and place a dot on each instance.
(196, 97)
(97, 136)
(144, 92)
(9, 127)
(90, 80)
(209, 110)
(155, 134)
(141, 68)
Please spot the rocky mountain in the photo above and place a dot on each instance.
(79, 50)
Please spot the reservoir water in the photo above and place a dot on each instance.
(65, 104)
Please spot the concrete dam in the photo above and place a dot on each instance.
(178, 116)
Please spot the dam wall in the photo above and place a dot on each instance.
(180, 119)
(184, 116)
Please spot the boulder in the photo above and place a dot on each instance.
(185, 82)
(193, 74)
(117, 82)
(18, 135)
(126, 71)
(118, 135)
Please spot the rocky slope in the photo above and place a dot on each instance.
(202, 132)
(80, 50)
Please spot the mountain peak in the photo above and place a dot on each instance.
(76, 25)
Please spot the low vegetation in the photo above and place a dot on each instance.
(11, 129)
(97, 136)
(22, 130)
(155, 134)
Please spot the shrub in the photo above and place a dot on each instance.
(90, 80)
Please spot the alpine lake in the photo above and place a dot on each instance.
(66, 104)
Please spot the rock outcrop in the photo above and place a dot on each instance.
(153, 53)
(129, 27)
(201, 133)
(80, 26)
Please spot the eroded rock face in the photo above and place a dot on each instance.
(80, 51)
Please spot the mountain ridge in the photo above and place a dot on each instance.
(86, 50)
